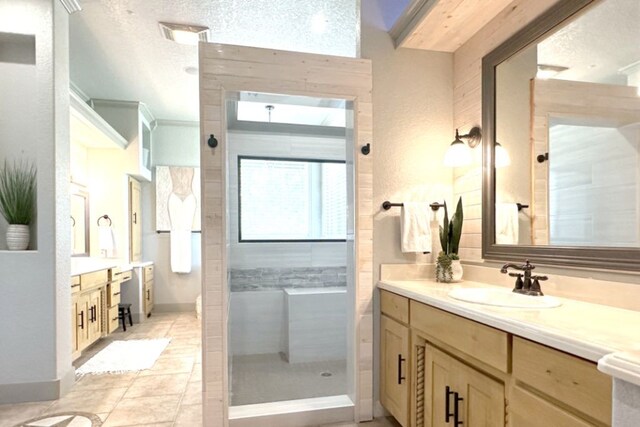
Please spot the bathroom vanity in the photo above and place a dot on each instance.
(445, 361)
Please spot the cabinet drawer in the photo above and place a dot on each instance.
(481, 342)
(90, 280)
(395, 306)
(524, 404)
(113, 294)
(75, 284)
(573, 381)
(112, 320)
(148, 273)
(125, 275)
(114, 273)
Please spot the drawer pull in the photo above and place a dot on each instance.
(116, 293)
(400, 376)
(76, 286)
(447, 405)
(114, 319)
(81, 319)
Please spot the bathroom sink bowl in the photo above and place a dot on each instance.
(503, 298)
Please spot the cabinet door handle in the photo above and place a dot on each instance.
(447, 405)
(149, 297)
(400, 376)
(456, 410)
(135, 217)
(81, 319)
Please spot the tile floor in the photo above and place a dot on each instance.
(167, 395)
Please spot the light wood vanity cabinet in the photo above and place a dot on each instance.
(148, 290)
(94, 306)
(461, 370)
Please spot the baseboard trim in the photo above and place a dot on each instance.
(184, 307)
(33, 392)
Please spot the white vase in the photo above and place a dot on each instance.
(456, 269)
(17, 237)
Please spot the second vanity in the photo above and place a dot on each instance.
(97, 287)
(454, 363)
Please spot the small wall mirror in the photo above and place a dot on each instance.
(562, 98)
(79, 220)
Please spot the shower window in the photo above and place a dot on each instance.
(291, 200)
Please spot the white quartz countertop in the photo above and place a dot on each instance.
(83, 265)
(591, 331)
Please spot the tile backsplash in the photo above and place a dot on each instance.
(256, 279)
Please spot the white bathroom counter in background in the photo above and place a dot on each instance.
(140, 264)
(82, 265)
(587, 330)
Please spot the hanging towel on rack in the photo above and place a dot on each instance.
(507, 224)
(106, 240)
(415, 227)
(181, 213)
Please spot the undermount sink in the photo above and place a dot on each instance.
(503, 298)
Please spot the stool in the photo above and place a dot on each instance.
(124, 310)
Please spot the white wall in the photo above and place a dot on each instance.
(173, 144)
(253, 255)
(35, 361)
(412, 129)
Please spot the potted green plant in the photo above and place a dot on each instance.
(448, 267)
(17, 201)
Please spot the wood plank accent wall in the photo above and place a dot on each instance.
(225, 68)
(593, 103)
(467, 109)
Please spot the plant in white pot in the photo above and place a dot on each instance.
(448, 268)
(17, 201)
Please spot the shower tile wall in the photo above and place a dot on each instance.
(255, 279)
(258, 322)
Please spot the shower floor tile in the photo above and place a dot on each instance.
(263, 378)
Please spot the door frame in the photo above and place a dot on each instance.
(227, 68)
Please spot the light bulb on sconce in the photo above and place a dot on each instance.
(502, 158)
(459, 154)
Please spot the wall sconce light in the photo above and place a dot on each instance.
(502, 158)
(459, 154)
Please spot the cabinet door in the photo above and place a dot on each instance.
(394, 379)
(148, 297)
(135, 229)
(439, 388)
(523, 404)
(82, 322)
(74, 325)
(95, 315)
(457, 392)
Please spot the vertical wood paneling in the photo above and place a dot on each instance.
(232, 68)
(467, 101)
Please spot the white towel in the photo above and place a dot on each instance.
(415, 227)
(106, 240)
(180, 251)
(506, 224)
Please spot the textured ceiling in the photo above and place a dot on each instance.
(116, 51)
(597, 44)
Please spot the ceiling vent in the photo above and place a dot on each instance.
(72, 6)
(184, 34)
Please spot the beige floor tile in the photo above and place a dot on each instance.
(157, 385)
(190, 350)
(378, 422)
(189, 416)
(192, 394)
(196, 373)
(101, 382)
(93, 401)
(12, 414)
(144, 410)
(170, 365)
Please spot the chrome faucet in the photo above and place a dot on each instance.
(531, 284)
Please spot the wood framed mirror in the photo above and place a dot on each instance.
(562, 97)
(79, 201)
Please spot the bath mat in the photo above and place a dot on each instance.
(125, 356)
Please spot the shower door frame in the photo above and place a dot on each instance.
(227, 68)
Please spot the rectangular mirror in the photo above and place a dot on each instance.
(561, 116)
(79, 220)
